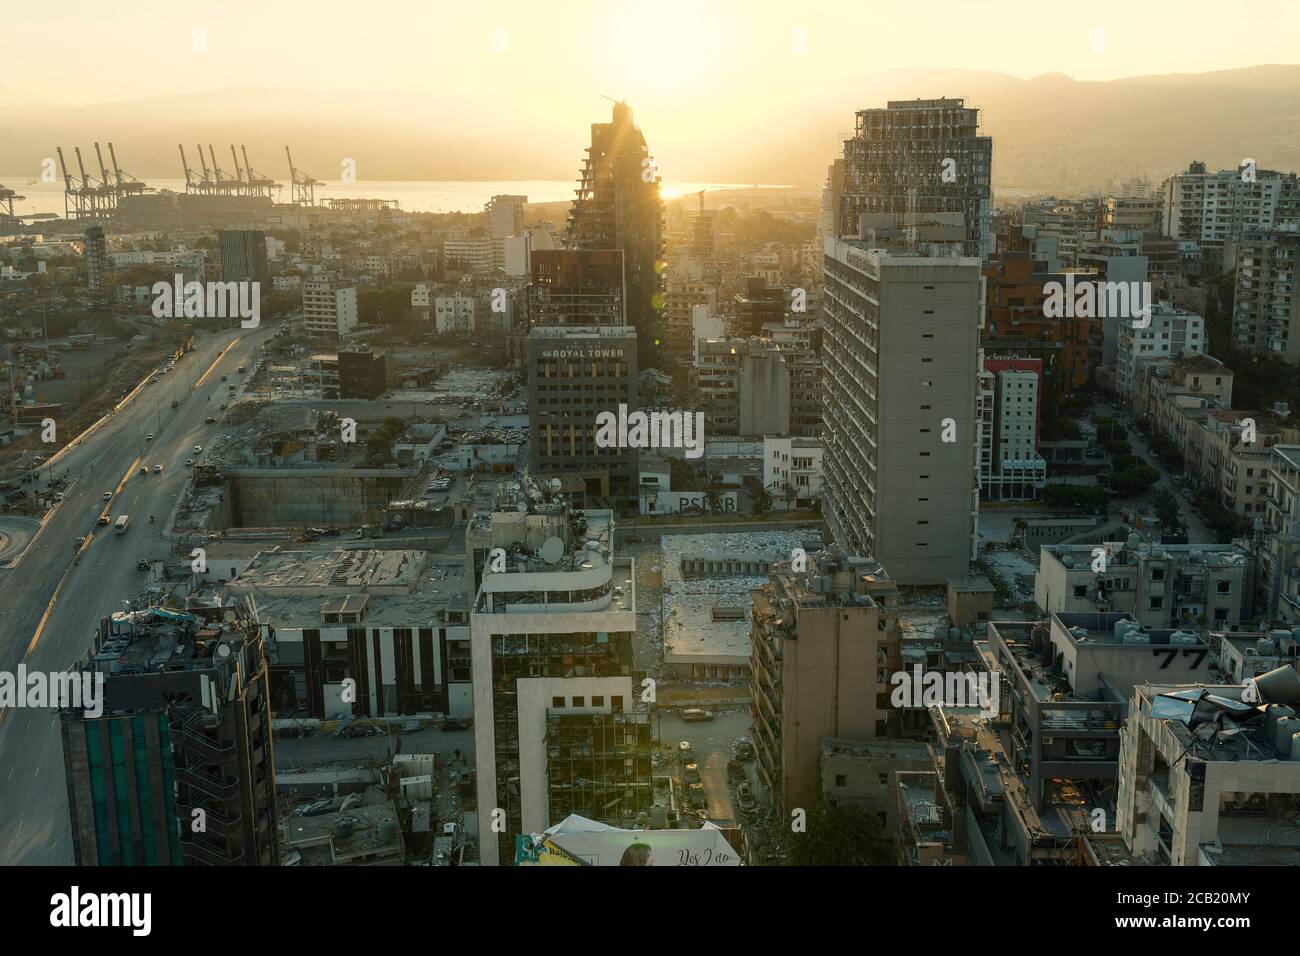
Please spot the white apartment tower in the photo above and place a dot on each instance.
(329, 306)
(1213, 208)
(1171, 332)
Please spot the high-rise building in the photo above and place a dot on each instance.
(505, 220)
(1213, 208)
(574, 374)
(901, 384)
(1171, 332)
(97, 264)
(505, 215)
(916, 157)
(329, 306)
(824, 645)
(243, 257)
(1016, 322)
(555, 727)
(757, 306)
(1266, 302)
(177, 767)
(618, 207)
(576, 287)
(1010, 466)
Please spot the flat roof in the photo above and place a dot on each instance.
(690, 632)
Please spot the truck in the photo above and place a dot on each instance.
(120, 526)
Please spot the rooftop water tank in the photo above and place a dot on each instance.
(1067, 562)
(1295, 746)
(1122, 627)
(1272, 715)
(1078, 632)
(1137, 637)
(1280, 685)
(1265, 646)
(1134, 540)
(1197, 557)
(954, 633)
(1157, 552)
(1183, 637)
(1284, 730)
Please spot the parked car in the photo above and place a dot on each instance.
(695, 714)
(189, 462)
(209, 420)
(696, 791)
(684, 752)
(735, 770)
(144, 469)
(108, 496)
(692, 772)
(198, 449)
(157, 469)
(745, 798)
(744, 750)
(79, 542)
(456, 723)
(142, 564)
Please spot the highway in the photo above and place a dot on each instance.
(51, 602)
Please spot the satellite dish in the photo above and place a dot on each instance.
(229, 617)
(556, 484)
(552, 550)
(521, 505)
(223, 650)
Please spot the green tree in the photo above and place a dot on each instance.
(840, 836)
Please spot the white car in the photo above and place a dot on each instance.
(150, 437)
(108, 496)
(198, 449)
(157, 469)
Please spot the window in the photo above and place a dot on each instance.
(882, 779)
(579, 702)
(1225, 587)
(1157, 603)
(557, 702)
(1080, 590)
(598, 701)
(841, 780)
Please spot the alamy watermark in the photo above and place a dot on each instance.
(922, 688)
(1088, 299)
(651, 430)
(59, 689)
(209, 300)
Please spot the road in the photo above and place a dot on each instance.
(1197, 532)
(49, 606)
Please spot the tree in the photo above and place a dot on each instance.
(759, 495)
(840, 836)
(681, 475)
(1167, 510)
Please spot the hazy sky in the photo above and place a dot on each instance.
(694, 70)
(663, 55)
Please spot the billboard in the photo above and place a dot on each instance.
(577, 841)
